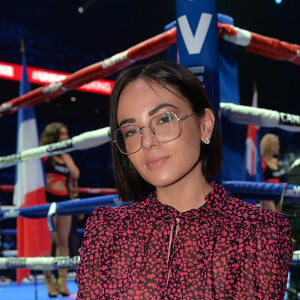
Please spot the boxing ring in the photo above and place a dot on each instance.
(232, 112)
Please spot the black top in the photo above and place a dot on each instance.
(52, 166)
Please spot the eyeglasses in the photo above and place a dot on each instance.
(164, 127)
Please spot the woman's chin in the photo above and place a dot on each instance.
(162, 182)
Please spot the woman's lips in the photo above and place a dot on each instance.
(156, 162)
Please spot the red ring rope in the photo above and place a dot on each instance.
(81, 190)
(258, 44)
(104, 68)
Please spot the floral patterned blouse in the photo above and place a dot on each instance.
(226, 249)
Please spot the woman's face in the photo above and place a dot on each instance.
(160, 164)
(63, 134)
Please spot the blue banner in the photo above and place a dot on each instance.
(197, 40)
(228, 67)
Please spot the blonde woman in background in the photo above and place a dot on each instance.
(269, 149)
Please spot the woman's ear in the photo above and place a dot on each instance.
(207, 122)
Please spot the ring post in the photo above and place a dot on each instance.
(197, 40)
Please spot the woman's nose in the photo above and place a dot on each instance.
(148, 137)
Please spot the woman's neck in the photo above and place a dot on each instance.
(187, 193)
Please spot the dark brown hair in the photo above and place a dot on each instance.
(131, 186)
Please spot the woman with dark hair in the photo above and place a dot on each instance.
(61, 175)
(184, 237)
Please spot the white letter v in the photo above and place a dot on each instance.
(194, 43)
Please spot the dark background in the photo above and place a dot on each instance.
(57, 37)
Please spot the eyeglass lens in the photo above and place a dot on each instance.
(164, 127)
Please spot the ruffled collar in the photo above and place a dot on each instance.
(214, 204)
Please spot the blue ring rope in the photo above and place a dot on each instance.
(243, 189)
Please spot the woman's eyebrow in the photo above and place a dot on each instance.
(127, 121)
(159, 107)
(150, 113)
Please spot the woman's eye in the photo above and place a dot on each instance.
(130, 132)
(164, 119)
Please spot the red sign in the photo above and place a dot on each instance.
(43, 77)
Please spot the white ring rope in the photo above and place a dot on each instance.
(295, 164)
(82, 141)
(60, 262)
(241, 114)
(39, 263)
(235, 113)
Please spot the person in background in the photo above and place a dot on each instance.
(272, 173)
(184, 237)
(61, 173)
(291, 209)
